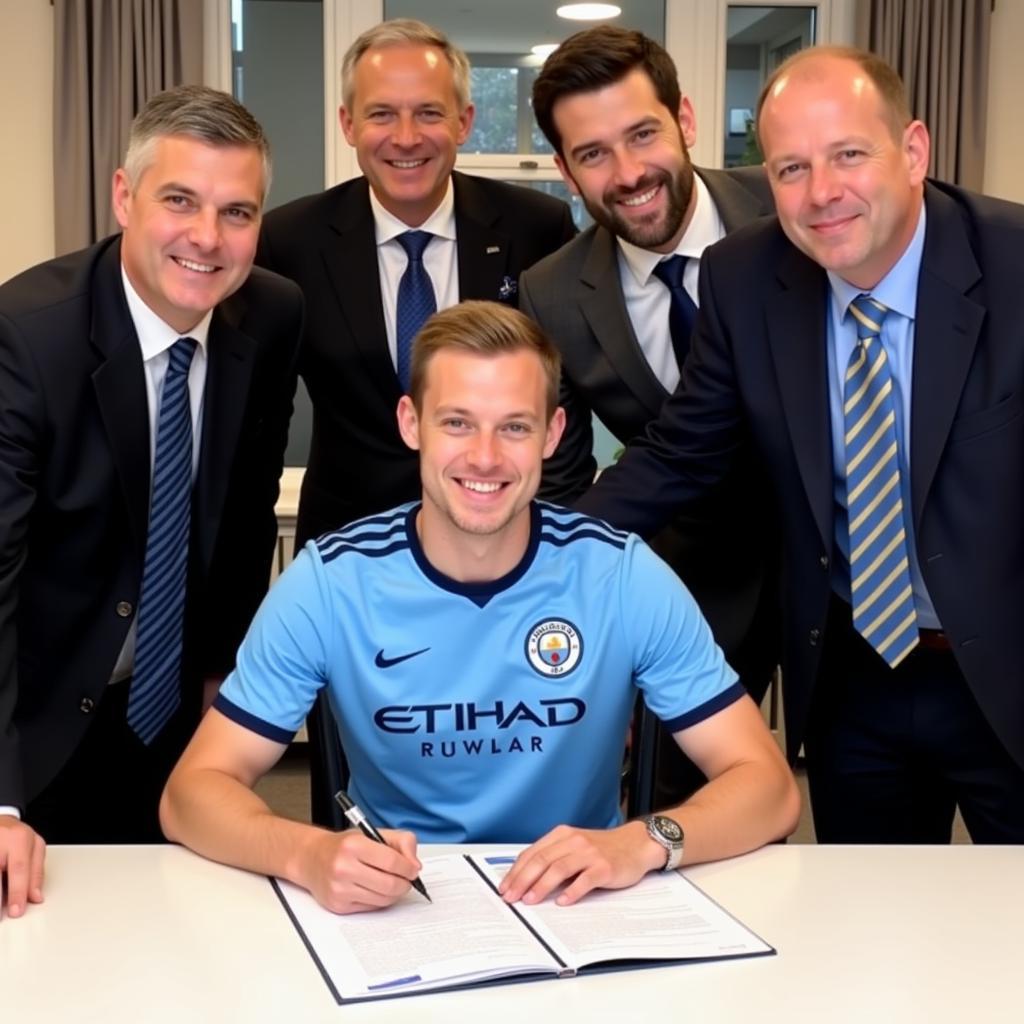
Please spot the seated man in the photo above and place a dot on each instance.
(480, 651)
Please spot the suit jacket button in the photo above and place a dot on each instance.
(87, 705)
(124, 609)
(814, 636)
(823, 561)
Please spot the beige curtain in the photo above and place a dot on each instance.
(940, 48)
(110, 57)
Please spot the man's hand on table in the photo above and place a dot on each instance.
(613, 858)
(22, 852)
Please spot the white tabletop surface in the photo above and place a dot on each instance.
(866, 934)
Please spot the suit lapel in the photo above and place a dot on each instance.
(736, 206)
(483, 249)
(945, 335)
(604, 307)
(120, 386)
(230, 358)
(350, 260)
(796, 333)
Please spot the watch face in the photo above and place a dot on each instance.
(669, 829)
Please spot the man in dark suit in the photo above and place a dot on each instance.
(406, 110)
(868, 347)
(608, 100)
(146, 396)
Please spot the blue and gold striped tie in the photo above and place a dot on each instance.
(880, 588)
(156, 677)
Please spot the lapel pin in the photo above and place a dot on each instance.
(493, 248)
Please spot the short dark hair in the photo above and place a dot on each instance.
(483, 329)
(595, 58)
(895, 106)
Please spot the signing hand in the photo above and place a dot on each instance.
(594, 859)
(22, 852)
(348, 873)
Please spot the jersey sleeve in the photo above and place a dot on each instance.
(677, 665)
(283, 660)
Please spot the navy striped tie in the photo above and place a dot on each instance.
(416, 301)
(880, 589)
(156, 678)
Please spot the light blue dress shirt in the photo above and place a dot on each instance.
(898, 291)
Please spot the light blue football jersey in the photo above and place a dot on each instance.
(482, 712)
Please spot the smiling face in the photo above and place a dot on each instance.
(848, 189)
(482, 433)
(190, 225)
(406, 126)
(625, 154)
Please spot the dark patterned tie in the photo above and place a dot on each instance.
(416, 300)
(156, 678)
(683, 314)
(880, 589)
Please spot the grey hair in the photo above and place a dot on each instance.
(405, 32)
(200, 113)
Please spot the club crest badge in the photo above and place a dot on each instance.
(554, 647)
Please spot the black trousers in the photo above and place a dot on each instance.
(109, 789)
(892, 753)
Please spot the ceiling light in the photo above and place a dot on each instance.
(543, 50)
(588, 12)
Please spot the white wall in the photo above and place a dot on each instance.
(26, 119)
(1004, 148)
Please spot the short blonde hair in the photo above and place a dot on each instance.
(484, 329)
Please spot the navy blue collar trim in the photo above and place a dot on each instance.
(479, 592)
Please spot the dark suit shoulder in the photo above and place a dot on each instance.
(975, 208)
(761, 237)
(313, 211)
(264, 286)
(563, 265)
(55, 283)
(268, 308)
(753, 179)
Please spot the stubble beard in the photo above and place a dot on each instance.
(654, 233)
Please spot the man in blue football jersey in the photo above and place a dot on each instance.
(481, 652)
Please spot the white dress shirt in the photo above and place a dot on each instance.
(648, 300)
(155, 340)
(440, 259)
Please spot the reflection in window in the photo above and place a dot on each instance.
(759, 40)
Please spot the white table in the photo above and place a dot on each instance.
(867, 934)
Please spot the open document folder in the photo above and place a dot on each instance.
(470, 936)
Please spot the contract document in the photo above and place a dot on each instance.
(470, 936)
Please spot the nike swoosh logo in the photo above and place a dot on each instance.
(381, 662)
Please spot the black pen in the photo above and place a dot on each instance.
(357, 818)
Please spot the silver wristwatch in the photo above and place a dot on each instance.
(667, 833)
